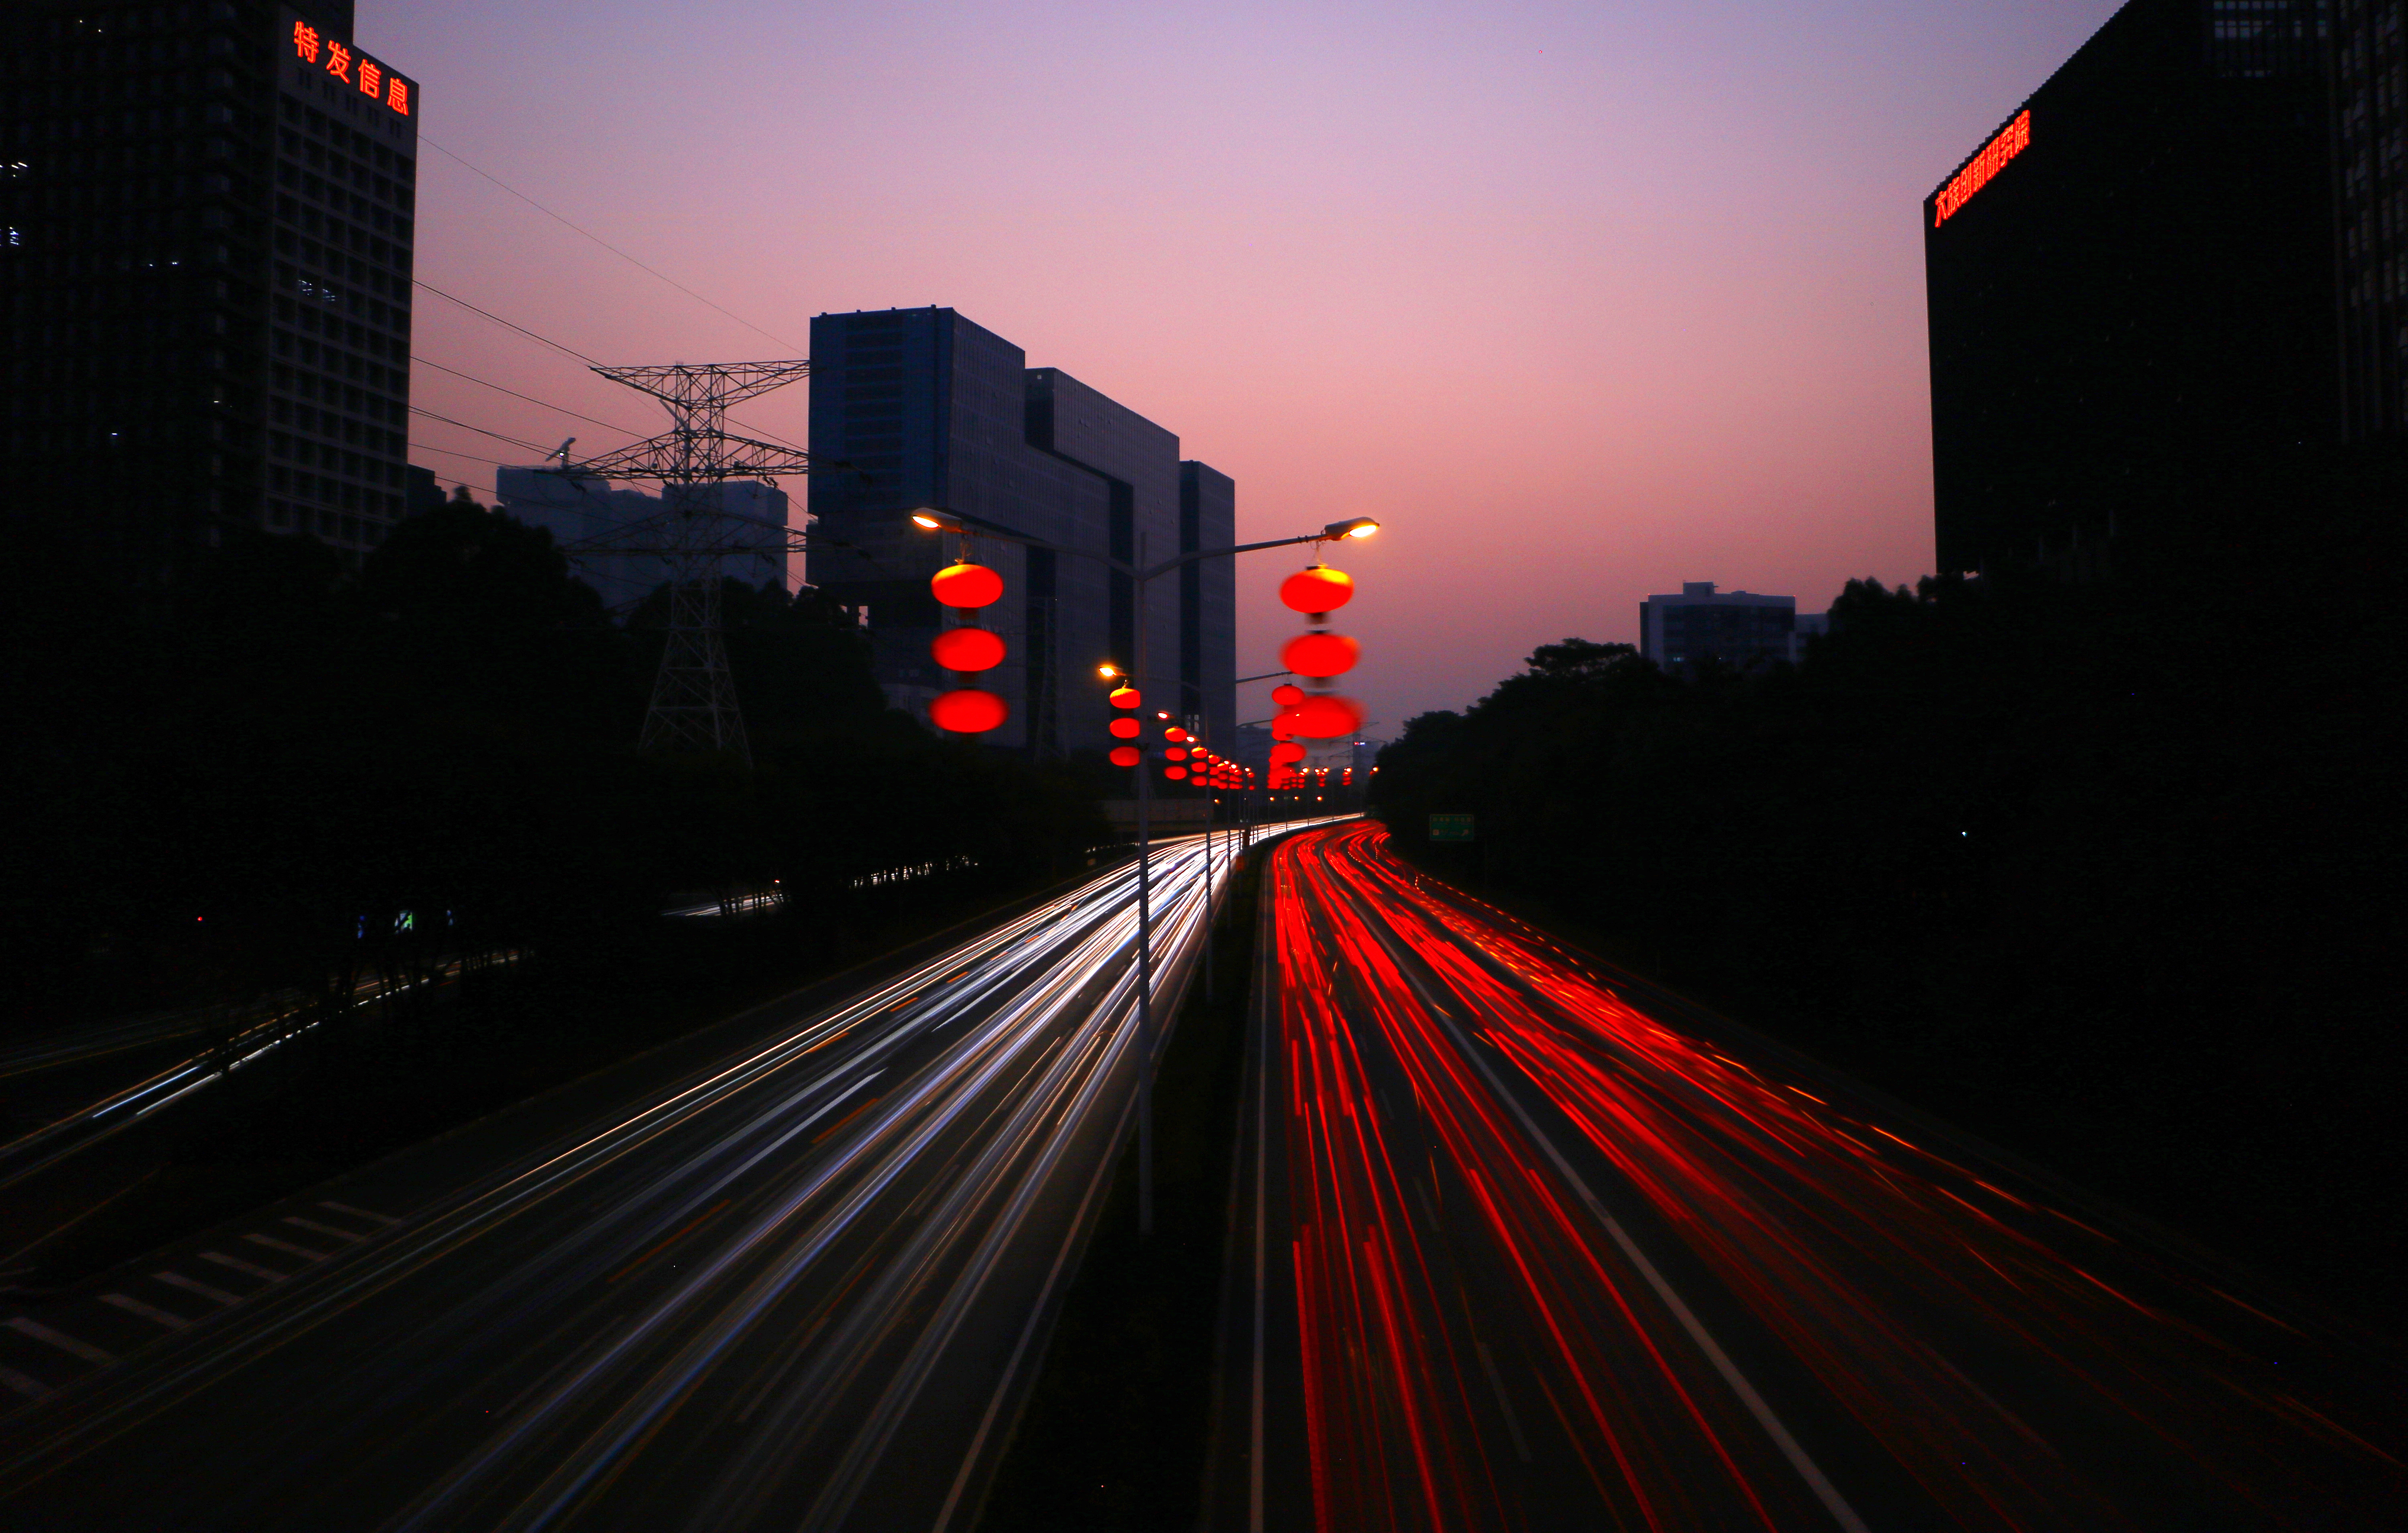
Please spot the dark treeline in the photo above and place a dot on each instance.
(217, 790)
(2107, 870)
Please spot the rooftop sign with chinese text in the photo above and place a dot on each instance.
(355, 69)
(2012, 140)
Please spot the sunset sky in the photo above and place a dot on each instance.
(1583, 301)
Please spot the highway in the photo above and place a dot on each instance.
(238, 1035)
(800, 1287)
(1528, 1244)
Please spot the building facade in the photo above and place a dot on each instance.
(920, 407)
(1735, 628)
(2369, 101)
(2133, 281)
(608, 530)
(210, 211)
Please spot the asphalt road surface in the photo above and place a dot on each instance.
(803, 1287)
(1529, 1245)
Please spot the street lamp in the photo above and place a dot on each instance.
(938, 519)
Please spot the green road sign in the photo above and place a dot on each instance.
(1449, 828)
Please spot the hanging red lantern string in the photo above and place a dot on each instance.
(1317, 590)
(968, 711)
(1320, 655)
(963, 584)
(1324, 716)
(966, 650)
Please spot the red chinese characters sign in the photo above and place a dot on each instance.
(2012, 140)
(373, 80)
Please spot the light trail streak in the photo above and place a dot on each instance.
(793, 1290)
(2117, 1388)
(40, 1148)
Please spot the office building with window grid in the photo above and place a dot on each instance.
(209, 211)
(920, 407)
(2132, 283)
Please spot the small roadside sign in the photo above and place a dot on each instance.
(1449, 828)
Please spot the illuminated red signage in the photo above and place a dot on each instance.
(373, 80)
(2012, 140)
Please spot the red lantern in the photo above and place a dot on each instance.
(1325, 717)
(1175, 734)
(1175, 754)
(1287, 694)
(1123, 698)
(1126, 755)
(1287, 750)
(966, 584)
(1123, 728)
(1175, 773)
(1313, 591)
(966, 650)
(1320, 654)
(968, 711)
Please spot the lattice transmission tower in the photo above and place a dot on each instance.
(694, 698)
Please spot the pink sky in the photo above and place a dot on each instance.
(1581, 301)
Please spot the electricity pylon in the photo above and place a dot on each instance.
(694, 699)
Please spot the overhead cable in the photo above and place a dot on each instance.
(612, 248)
(528, 397)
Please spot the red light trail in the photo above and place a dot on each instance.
(1494, 1158)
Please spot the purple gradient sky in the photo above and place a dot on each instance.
(1581, 300)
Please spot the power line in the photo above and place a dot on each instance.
(528, 397)
(612, 248)
(570, 351)
(514, 441)
(456, 453)
(498, 320)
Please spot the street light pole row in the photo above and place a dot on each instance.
(938, 519)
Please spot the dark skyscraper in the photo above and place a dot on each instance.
(919, 407)
(2371, 177)
(2134, 281)
(210, 211)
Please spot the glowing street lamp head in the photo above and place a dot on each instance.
(1361, 527)
(1108, 672)
(934, 520)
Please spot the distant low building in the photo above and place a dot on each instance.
(1740, 629)
(1810, 626)
(606, 527)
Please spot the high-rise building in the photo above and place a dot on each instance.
(614, 533)
(2132, 282)
(919, 407)
(1740, 629)
(2370, 83)
(210, 211)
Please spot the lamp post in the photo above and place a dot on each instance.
(938, 519)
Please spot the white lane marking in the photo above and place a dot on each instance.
(152, 1312)
(1512, 1423)
(357, 1213)
(241, 1265)
(1816, 1481)
(32, 1389)
(323, 1229)
(65, 1342)
(273, 1244)
(177, 1280)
